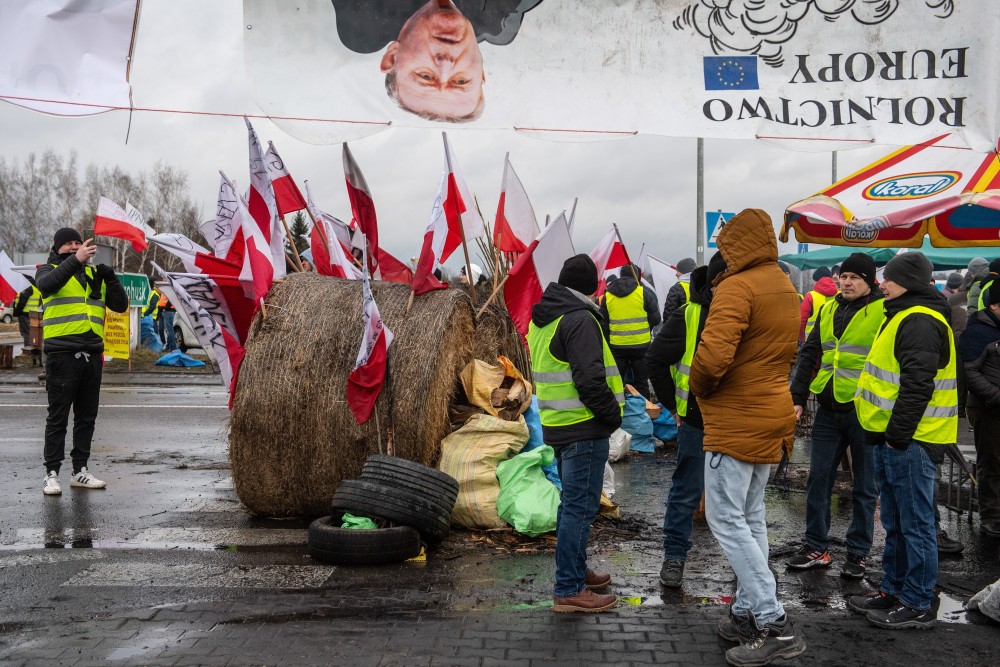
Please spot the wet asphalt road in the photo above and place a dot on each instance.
(169, 534)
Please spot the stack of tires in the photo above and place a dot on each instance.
(415, 499)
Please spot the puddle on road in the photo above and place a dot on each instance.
(951, 610)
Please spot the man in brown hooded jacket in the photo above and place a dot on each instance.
(740, 377)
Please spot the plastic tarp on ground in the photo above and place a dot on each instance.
(637, 423)
(527, 500)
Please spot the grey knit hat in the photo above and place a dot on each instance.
(911, 270)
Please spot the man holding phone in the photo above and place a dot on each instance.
(74, 296)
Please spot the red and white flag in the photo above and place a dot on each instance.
(258, 271)
(538, 266)
(224, 232)
(609, 253)
(196, 258)
(111, 220)
(392, 270)
(459, 207)
(435, 240)
(329, 255)
(138, 219)
(263, 207)
(340, 228)
(12, 283)
(362, 206)
(286, 193)
(365, 381)
(516, 225)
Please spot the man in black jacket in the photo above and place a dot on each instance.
(979, 348)
(629, 312)
(669, 362)
(74, 296)
(830, 363)
(580, 400)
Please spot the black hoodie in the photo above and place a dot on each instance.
(921, 347)
(811, 352)
(668, 348)
(579, 342)
(624, 286)
(50, 279)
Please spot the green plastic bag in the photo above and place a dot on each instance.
(528, 500)
(357, 522)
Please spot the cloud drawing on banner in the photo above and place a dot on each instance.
(761, 27)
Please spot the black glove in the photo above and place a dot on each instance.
(105, 273)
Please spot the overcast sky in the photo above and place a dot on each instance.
(189, 55)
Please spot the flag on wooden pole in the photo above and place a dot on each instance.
(362, 206)
(262, 206)
(516, 225)
(287, 195)
(365, 382)
(111, 220)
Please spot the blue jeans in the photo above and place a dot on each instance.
(170, 341)
(686, 487)
(910, 560)
(832, 433)
(581, 469)
(734, 507)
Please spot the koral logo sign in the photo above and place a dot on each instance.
(911, 186)
(856, 234)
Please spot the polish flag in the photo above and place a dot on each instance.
(340, 228)
(286, 194)
(224, 232)
(258, 271)
(392, 270)
(609, 254)
(538, 266)
(362, 206)
(263, 207)
(365, 381)
(516, 224)
(111, 220)
(138, 219)
(463, 216)
(12, 283)
(329, 255)
(435, 240)
(196, 259)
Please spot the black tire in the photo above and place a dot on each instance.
(443, 483)
(390, 477)
(329, 543)
(179, 335)
(393, 504)
(7, 319)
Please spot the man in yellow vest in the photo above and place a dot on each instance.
(630, 311)
(74, 296)
(680, 292)
(824, 288)
(580, 401)
(829, 365)
(669, 364)
(907, 401)
(27, 302)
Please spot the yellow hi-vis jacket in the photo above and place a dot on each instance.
(878, 387)
(681, 371)
(627, 319)
(71, 310)
(844, 358)
(819, 300)
(559, 401)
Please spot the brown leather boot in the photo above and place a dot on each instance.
(596, 579)
(586, 600)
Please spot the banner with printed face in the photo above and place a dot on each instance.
(812, 74)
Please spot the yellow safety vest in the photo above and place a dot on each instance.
(559, 401)
(878, 387)
(628, 321)
(71, 310)
(34, 301)
(982, 294)
(687, 291)
(819, 300)
(153, 302)
(681, 371)
(844, 358)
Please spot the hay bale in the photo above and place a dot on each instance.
(292, 437)
(496, 336)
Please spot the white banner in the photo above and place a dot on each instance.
(847, 72)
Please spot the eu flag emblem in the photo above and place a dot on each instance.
(731, 73)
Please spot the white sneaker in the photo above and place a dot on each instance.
(52, 487)
(85, 480)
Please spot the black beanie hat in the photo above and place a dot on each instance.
(861, 264)
(835, 271)
(64, 236)
(995, 266)
(992, 296)
(911, 270)
(716, 266)
(579, 273)
(820, 273)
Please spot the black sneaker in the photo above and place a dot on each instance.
(862, 604)
(733, 626)
(854, 567)
(807, 557)
(902, 617)
(777, 639)
(672, 573)
(946, 545)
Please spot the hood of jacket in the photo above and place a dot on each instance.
(701, 291)
(826, 286)
(558, 300)
(746, 241)
(623, 285)
(928, 297)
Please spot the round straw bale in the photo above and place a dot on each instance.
(292, 436)
(496, 336)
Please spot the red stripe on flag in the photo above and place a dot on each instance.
(287, 195)
(121, 230)
(522, 290)
(365, 382)
(423, 278)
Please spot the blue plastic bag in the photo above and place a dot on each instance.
(148, 337)
(178, 358)
(534, 422)
(637, 423)
(664, 426)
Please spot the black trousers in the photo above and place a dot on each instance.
(72, 380)
(986, 434)
(631, 362)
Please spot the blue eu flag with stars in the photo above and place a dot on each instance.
(731, 73)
